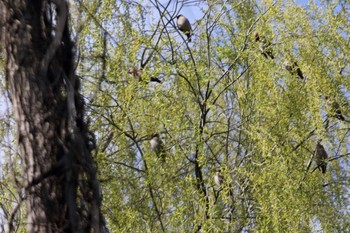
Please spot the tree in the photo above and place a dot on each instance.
(220, 105)
(58, 175)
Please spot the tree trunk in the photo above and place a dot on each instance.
(61, 190)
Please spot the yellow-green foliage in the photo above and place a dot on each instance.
(221, 104)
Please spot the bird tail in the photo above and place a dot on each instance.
(339, 115)
(300, 74)
(189, 37)
(154, 79)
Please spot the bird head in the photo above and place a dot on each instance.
(179, 16)
(131, 71)
(286, 63)
(155, 135)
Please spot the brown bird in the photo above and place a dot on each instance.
(264, 46)
(157, 145)
(320, 157)
(184, 25)
(137, 73)
(294, 68)
(218, 178)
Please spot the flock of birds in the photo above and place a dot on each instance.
(320, 158)
(157, 146)
(183, 24)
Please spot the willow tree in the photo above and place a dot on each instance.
(222, 104)
(251, 95)
(58, 178)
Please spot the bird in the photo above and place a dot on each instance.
(264, 46)
(320, 157)
(294, 68)
(157, 146)
(336, 109)
(184, 25)
(218, 178)
(137, 73)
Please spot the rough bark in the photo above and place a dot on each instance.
(59, 178)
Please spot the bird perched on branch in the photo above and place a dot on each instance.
(264, 46)
(137, 73)
(184, 25)
(337, 111)
(157, 146)
(320, 157)
(294, 68)
(218, 178)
